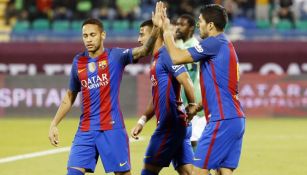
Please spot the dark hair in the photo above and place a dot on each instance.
(189, 18)
(148, 23)
(95, 22)
(215, 13)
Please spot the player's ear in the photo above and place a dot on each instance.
(103, 35)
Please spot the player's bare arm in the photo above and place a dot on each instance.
(64, 108)
(148, 114)
(147, 48)
(187, 84)
(178, 56)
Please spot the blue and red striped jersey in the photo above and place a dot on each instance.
(99, 80)
(165, 89)
(219, 77)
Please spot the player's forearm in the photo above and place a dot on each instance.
(189, 91)
(64, 108)
(147, 48)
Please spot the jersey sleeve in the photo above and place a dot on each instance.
(205, 49)
(74, 83)
(126, 56)
(175, 70)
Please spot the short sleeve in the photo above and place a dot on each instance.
(205, 49)
(175, 70)
(125, 56)
(74, 83)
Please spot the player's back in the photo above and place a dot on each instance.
(166, 90)
(219, 77)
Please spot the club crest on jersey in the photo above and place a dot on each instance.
(91, 67)
(154, 82)
(102, 64)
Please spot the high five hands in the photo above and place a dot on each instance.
(159, 17)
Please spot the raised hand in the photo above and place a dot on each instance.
(166, 21)
(157, 15)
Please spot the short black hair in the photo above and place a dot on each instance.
(189, 18)
(148, 23)
(95, 22)
(215, 13)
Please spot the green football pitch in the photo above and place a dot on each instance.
(271, 147)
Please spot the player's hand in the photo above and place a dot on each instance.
(157, 15)
(166, 26)
(136, 131)
(54, 136)
(191, 111)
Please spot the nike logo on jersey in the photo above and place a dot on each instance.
(196, 159)
(79, 71)
(122, 164)
(126, 51)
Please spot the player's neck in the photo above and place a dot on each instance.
(215, 33)
(158, 45)
(97, 53)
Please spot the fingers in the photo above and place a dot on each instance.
(54, 136)
(135, 133)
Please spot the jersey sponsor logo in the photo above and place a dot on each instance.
(102, 64)
(95, 81)
(154, 82)
(122, 164)
(199, 48)
(91, 67)
(177, 67)
(81, 70)
(196, 159)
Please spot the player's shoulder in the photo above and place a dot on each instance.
(79, 55)
(118, 50)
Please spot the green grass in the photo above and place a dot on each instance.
(271, 147)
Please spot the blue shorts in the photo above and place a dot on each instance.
(112, 146)
(170, 146)
(220, 144)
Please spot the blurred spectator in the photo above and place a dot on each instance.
(128, 10)
(83, 9)
(262, 10)
(64, 9)
(104, 9)
(247, 8)
(10, 12)
(284, 11)
(231, 8)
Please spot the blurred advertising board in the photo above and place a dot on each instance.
(264, 57)
(273, 95)
(40, 96)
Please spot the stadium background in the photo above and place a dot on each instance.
(40, 37)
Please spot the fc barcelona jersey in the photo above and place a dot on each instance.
(219, 77)
(98, 80)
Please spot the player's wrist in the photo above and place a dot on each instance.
(192, 104)
(142, 120)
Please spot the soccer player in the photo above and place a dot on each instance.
(185, 27)
(97, 73)
(170, 141)
(220, 144)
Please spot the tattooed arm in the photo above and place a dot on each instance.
(147, 48)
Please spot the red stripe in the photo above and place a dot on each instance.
(233, 78)
(104, 95)
(163, 143)
(86, 101)
(219, 101)
(211, 144)
(204, 96)
(168, 94)
(155, 88)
